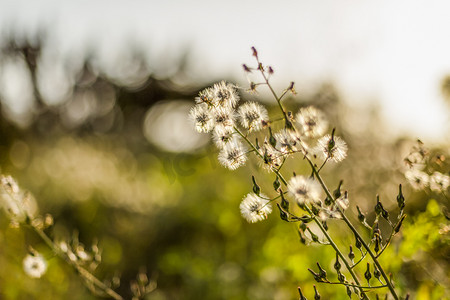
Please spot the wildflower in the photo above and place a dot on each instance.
(312, 120)
(17, 204)
(255, 208)
(232, 155)
(204, 121)
(205, 96)
(332, 147)
(34, 265)
(288, 141)
(225, 95)
(223, 117)
(253, 116)
(223, 135)
(416, 160)
(304, 190)
(439, 182)
(272, 158)
(418, 179)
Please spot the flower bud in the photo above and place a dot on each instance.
(316, 294)
(400, 198)
(316, 276)
(341, 277)
(272, 140)
(283, 215)
(256, 188)
(301, 294)
(254, 52)
(284, 202)
(351, 254)
(349, 292)
(276, 186)
(367, 274)
(337, 264)
(357, 243)
(322, 272)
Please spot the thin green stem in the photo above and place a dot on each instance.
(339, 253)
(353, 229)
(82, 271)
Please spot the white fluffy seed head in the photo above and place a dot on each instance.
(253, 116)
(223, 117)
(206, 97)
(288, 141)
(439, 182)
(225, 95)
(202, 117)
(272, 158)
(304, 190)
(255, 208)
(312, 121)
(333, 148)
(419, 180)
(34, 265)
(223, 135)
(232, 155)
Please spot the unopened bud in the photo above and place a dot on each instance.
(255, 53)
(316, 276)
(337, 192)
(283, 215)
(301, 294)
(337, 264)
(367, 274)
(361, 217)
(316, 294)
(256, 188)
(276, 186)
(272, 140)
(284, 202)
(351, 254)
(400, 198)
(322, 272)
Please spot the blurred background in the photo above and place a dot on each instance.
(94, 98)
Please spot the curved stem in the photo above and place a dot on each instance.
(82, 271)
(353, 229)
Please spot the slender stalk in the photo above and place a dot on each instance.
(332, 243)
(82, 271)
(353, 229)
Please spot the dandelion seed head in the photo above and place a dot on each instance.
(304, 190)
(312, 121)
(17, 204)
(272, 158)
(232, 156)
(255, 208)
(223, 135)
(332, 148)
(225, 95)
(439, 182)
(202, 117)
(288, 141)
(206, 96)
(253, 116)
(419, 180)
(223, 117)
(34, 265)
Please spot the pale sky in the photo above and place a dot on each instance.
(392, 51)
